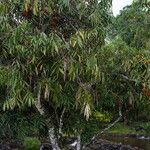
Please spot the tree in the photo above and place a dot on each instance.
(49, 56)
(126, 71)
(133, 24)
(132, 27)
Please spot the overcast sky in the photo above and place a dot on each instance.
(119, 4)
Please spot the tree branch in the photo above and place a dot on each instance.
(61, 121)
(109, 126)
(38, 105)
(112, 124)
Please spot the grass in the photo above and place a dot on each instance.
(120, 128)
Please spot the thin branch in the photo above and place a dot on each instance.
(38, 105)
(126, 77)
(61, 121)
(112, 124)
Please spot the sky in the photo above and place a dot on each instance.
(119, 4)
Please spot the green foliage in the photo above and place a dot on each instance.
(94, 125)
(90, 128)
(75, 124)
(16, 125)
(132, 25)
(144, 127)
(44, 49)
(31, 144)
(102, 117)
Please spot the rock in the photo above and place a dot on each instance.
(4, 147)
(46, 146)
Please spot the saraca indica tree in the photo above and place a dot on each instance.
(49, 56)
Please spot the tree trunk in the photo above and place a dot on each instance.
(61, 123)
(51, 130)
(53, 139)
(78, 147)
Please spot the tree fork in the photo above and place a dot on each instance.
(51, 129)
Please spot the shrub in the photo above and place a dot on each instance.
(146, 127)
(31, 144)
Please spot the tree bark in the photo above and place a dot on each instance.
(78, 147)
(53, 139)
(51, 131)
(61, 122)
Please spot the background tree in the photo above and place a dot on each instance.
(133, 25)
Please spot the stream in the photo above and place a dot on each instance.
(140, 142)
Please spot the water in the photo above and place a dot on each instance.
(132, 141)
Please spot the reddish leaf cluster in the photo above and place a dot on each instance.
(146, 91)
(28, 13)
